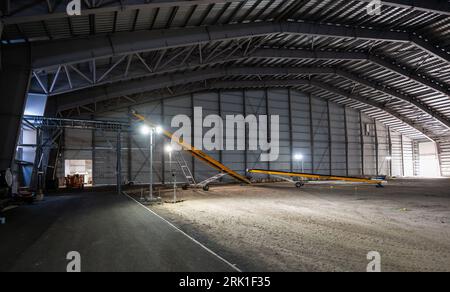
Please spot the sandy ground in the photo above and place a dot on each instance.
(276, 227)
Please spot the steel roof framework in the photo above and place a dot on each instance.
(398, 60)
(41, 10)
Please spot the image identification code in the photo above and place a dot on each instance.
(225, 282)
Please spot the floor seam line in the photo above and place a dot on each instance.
(185, 234)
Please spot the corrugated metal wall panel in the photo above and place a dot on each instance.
(255, 101)
(408, 157)
(135, 146)
(383, 150)
(301, 130)
(354, 142)
(321, 137)
(105, 158)
(278, 104)
(210, 104)
(416, 159)
(397, 154)
(370, 152)
(77, 146)
(445, 158)
(232, 104)
(338, 139)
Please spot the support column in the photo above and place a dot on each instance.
(35, 177)
(63, 154)
(330, 137)
(163, 155)
(347, 171)
(416, 158)
(52, 158)
(119, 162)
(94, 153)
(52, 154)
(14, 83)
(291, 129)
(94, 157)
(361, 126)
(439, 155)
(390, 150)
(129, 151)
(246, 131)
(377, 148)
(219, 94)
(311, 130)
(269, 130)
(403, 155)
(192, 135)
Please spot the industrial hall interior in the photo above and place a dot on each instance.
(225, 136)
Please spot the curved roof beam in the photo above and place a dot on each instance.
(410, 74)
(303, 54)
(387, 64)
(399, 95)
(90, 96)
(53, 53)
(327, 55)
(117, 89)
(337, 91)
(195, 62)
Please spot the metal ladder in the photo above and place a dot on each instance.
(185, 168)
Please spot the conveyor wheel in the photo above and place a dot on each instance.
(299, 184)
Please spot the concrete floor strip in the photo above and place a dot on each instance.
(185, 234)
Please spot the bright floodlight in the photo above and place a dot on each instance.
(298, 157)
(389, 158)
(169, 149)
(145, 130)
(159, 130)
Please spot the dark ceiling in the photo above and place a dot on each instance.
(394, 66)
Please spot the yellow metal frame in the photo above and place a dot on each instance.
(315, 176)
(200, 155)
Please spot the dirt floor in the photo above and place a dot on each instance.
(321, 227)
